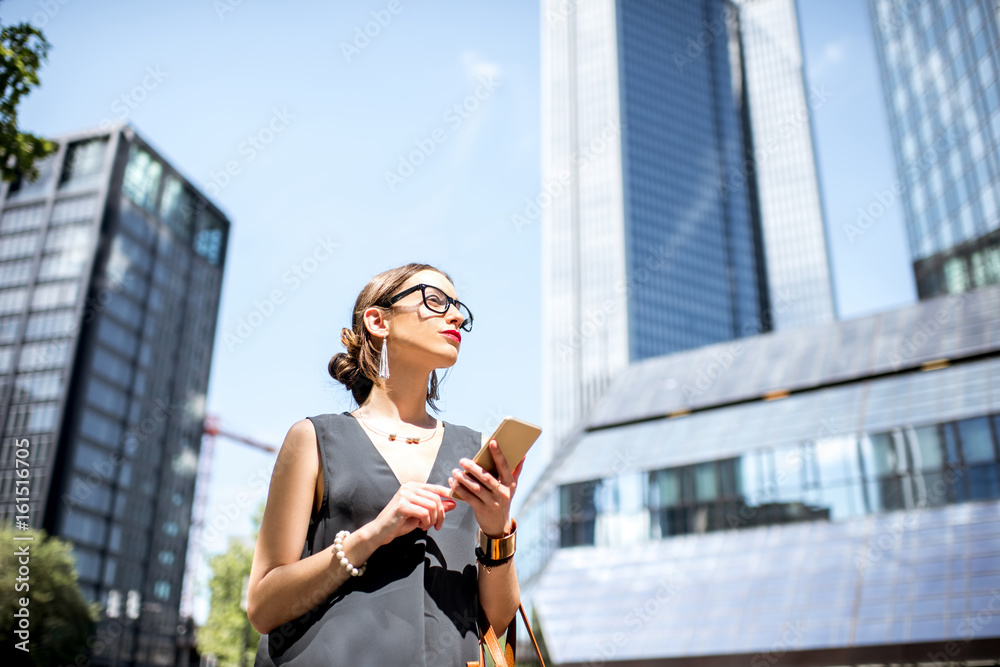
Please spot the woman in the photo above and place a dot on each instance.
(388, 574)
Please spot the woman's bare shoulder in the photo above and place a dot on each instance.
(300, 445)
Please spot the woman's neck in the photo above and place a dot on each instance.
(404, 399)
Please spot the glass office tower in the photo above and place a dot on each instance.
(940, 60)
(824, 496)
(658, 234)
(111, 266)
(781, 106)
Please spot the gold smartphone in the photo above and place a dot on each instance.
(514, 437)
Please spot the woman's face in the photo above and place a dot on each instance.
(417, 334)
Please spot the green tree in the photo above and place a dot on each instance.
(59, 619)
(227, 633)
(23, 48)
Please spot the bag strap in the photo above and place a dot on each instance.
(505, 658)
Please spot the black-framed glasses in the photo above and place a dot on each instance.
(436, 301)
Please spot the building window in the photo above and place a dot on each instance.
(88, 563)
(209, 239)
(19, 245)
(32, 418)
(15, 273)
(40, 356)
(84, 164)
(162, 590)
(178, 207)
(21, 219)
(8, 329)
(577, 513)
(13, 300)
(56, 295)
(22, 188)
(77, 209)
(50, 324)
(142, 179)
(100, 429)
(82, 526)
(106, 397)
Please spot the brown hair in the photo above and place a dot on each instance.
(357, 369)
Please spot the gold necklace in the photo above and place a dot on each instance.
(412, 440)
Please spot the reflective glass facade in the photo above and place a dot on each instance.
(653, 238)
(110, 269)
(846, 478)
(940, 61)
(784, 162)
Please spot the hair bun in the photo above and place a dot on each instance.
(350, 341)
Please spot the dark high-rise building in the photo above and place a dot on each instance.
(940, 62)
(680, 202)
(111, 265)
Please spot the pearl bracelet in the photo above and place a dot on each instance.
(338, 548)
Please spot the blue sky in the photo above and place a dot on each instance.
(310, 129)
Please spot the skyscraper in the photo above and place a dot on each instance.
(939, 63)
(781, 105)
(110, 272)
(653, 236)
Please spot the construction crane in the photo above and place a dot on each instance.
(210, 432)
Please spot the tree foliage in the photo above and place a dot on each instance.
(227, 633)
(59, 619)
(23, 48)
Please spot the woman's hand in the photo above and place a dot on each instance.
(488, 495)
(414, 505)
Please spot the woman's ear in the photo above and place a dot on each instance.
(375, 321)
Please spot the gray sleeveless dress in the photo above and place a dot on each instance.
(417, 603)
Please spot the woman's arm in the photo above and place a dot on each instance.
(283, 587)
(499, 593)
(490, 498)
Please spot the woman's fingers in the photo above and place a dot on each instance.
(503, 468)
(479, 477)
(437, 488)
(432, 504)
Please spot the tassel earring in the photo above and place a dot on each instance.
(383, 361)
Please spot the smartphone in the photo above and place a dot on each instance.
(514, 437)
